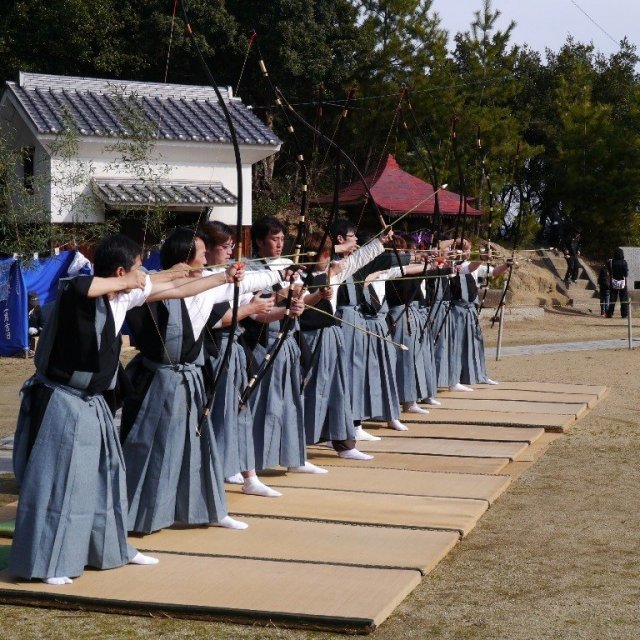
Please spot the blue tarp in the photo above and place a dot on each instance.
(14, 337)
(152, 261)
(42, 276)
(16, 281)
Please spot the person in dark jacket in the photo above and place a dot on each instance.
(572, 253)
(619, 270)
(604, 286)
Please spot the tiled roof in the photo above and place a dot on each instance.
(134, 193)
(175, 111)
(396, 192)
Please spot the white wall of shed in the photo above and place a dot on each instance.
(72, 199)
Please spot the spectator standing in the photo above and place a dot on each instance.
(572, 253)
(619, 270)
(604, 285)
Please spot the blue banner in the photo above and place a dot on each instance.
(14, 336)
(41, 276)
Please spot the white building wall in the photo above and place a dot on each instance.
(72, 199)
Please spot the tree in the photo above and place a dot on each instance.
(598, 166)
(126, 39)
(490, 81)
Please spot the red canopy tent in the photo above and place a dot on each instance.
(395, 192)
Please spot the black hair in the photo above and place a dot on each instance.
(115, 251)
(180, 246)
(618, 254)
(265, 226)
(342, 227)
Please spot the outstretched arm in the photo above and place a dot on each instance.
(191, 285)
(394, 273)
(116, 284)
(340, 271)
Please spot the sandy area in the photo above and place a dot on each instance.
(560, 326)
(555, 557)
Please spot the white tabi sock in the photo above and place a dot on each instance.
(307, 468)
(460, 387)
(412, 407)
(433, 402)
(235, 479)
(231, 523)
(354, 454)
(397, 425)
(365, 436)
(58, 581)
(141, 559)
(254, 487)
(490, 381)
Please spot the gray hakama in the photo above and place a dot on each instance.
(348, 308)
(278, 412)
(411, 366)
(355, 353)
(73, 505)
(67, 458)
(428, 353)
(174, 474)
(233, 430)
(327, 403)
(446, 349)
(174, 471)
(381, 399)
(470, 365)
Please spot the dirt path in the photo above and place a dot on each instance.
(555, 557)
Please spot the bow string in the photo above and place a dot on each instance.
(238, 237)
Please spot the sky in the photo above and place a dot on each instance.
(547, 23)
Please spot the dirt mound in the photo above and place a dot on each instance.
(532, 284)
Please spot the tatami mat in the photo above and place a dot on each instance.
(498, 393)
(462, 432)
(531, 456)
(533, 452)
(326, 596)
(414, 483)
(445, 447)
(312, 542)
(468, 416)
(392, 510)
(509, 406)
(550, 387)
(451, 464)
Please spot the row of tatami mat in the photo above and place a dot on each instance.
(341, 550)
